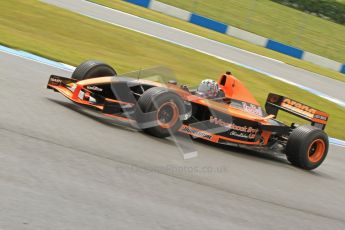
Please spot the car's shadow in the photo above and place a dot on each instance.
(111, 122)
(278, 158)
(95, 115)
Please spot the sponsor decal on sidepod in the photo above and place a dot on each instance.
(236, 130)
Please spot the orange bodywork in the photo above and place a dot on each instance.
(214, 137)
(231, 86)
(73, 96)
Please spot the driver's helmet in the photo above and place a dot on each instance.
(208, 88)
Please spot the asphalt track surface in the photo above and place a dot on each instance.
(64, 168)
(325, 85)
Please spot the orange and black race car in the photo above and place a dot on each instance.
(155, 103)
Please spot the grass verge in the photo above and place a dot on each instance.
(41, 29)
(276, 21)
(186, 26)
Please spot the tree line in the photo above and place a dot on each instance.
(328, 9)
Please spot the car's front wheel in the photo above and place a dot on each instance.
(167, 105)
(93, 69)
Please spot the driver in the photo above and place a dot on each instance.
(209, 89)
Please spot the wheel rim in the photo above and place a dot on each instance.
(316, 150)
(167, 115)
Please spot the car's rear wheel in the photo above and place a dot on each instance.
(307, 147)
(93, 69)
(168, 107)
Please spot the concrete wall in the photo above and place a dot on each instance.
(246, 36)
(170, 10)
(322, 61)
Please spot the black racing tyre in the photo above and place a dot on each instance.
(307, 147)
(93, 69)
(168, 107)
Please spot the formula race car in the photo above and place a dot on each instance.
(223, 112)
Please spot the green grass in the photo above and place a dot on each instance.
(276, 21)
(173, 22)
(41, 29)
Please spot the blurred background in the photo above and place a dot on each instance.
(304, 28)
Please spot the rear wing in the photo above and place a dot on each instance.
(275, 102)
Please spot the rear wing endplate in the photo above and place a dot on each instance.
(275, 102)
